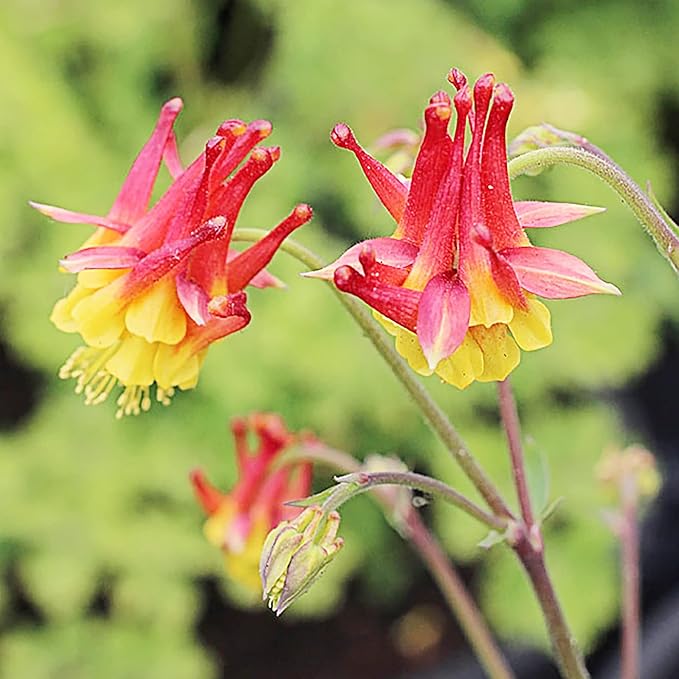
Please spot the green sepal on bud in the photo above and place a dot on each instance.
(295, 553)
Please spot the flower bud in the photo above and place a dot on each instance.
(635, 464)
(295, 553)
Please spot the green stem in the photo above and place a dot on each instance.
(362, 481)
(640, 204)
(429, 408)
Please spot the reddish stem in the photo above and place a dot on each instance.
(629, 539)
(528, 545)
(510, 420)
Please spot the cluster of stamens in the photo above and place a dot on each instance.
(87, 366)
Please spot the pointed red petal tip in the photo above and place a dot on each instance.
(302, 213)
(275, 152)
(231, 129)
(484, 85)
(262, 128)
(343, 137)
(239, 426)
(207, 495)
(367, 258)
(438, 112)
(344, 276)
(440, 97)
(173, 106)
(213, 147)
(271, 428)
(504, 98)
(463, 100)
(457, 79)
(265, 157)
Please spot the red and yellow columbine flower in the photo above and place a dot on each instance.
(456, 282)
(239, 521)
(157, 286)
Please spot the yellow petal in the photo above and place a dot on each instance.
(62, 314)
(132, 364)
(243, 568)
(532, 329)
(100, 317)
(488, 304)
(177, 365)
(464, 366)
(156, 315)
(389, 325)
(408, 346)
(217, 525)
(187, 377)
(98, 278)
(500, 352)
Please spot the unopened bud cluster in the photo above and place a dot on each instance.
(295, 554)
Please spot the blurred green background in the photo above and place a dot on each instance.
(104, 568)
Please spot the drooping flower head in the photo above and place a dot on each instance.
(157, 286)
(456, 282)
(239, 521)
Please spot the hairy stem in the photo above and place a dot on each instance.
(364, 480)
(602, 166)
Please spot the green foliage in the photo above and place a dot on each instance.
(95, 507)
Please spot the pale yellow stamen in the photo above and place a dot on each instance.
(133, 401)
(164, 396)
(86, 366)
(98, 390)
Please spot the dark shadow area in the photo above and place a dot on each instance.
(20, 387)
(237, 41)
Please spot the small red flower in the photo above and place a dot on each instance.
(457, 280)
(239, 521)
(157, 286)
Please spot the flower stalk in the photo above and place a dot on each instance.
(529, 547)
(362, 481)
(510, 418)
(631, 598)
(641, 205)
